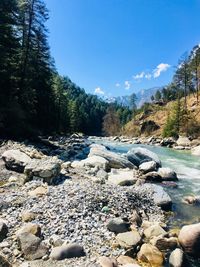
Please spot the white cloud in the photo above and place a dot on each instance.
(127, 85)
(160, 68)
(139, 76)
(117, 84)
(99, 91)
(148, 76)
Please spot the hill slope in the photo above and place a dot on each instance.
(158, 115)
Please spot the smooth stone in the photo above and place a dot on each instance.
(189, 239)
(150, 255)
(122, 259)
(67, 251)
(3, 230)
(46, 169)
(152, 177)
(115, 160)
(31, 246)
(160, 196)
(148, 167)
(167, 174)
(164, 243)
(15, 160)
(128, 239)
(122, 177)
(38, 192)
(30, 228)
(176, 258)
(154, 230)
(117, 225)
(107, 262)
(140, 155)
(183, 141)
(91, 162)
(28, 216)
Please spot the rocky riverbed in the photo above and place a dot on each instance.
(65, 202)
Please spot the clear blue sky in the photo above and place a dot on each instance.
(121, 46)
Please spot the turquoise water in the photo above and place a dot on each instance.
(187, 168)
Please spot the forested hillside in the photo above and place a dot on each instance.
(34, 98)
(175, 109)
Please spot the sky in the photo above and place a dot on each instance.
(117, 47)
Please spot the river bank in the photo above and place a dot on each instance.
(67, 193)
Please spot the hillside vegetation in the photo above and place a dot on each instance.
(159, 115)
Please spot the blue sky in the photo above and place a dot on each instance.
(116, 47)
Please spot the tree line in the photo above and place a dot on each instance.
(34, 98)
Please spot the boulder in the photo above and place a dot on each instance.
(169, 142)
(183, 141)
(115, 160)
(107, 262)
(122, 177)
(15, 160)
(139, 155)
(148, 166)
(31, 246)
(67, 251)
(128, 239)
(149, 126)
(117, 225)
(44, 169)
(30, 228)
(189, 239)
(161, 198)
(122, 259)
(38, 192)
(3, 230)
(28, 216)
(192, 200)
(91, 162)
(167, 174)
(152, 177)
(196, 151)
(164, 243)
(154, 230)
(176, 258)
(149, 254)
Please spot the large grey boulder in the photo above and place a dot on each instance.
(15, 160)
(183, 141)
(128, 239)
(67, 251)
(32, 246)
(148, 166)
(167, 174)
(139, 155)
(189, 239)
(122, 177)
(46, 169)
(160, 196)
(91, 162)
(115, 160)
(117, 225)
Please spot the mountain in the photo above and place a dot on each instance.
(142, 97)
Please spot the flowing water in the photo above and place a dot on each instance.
(187, 168)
